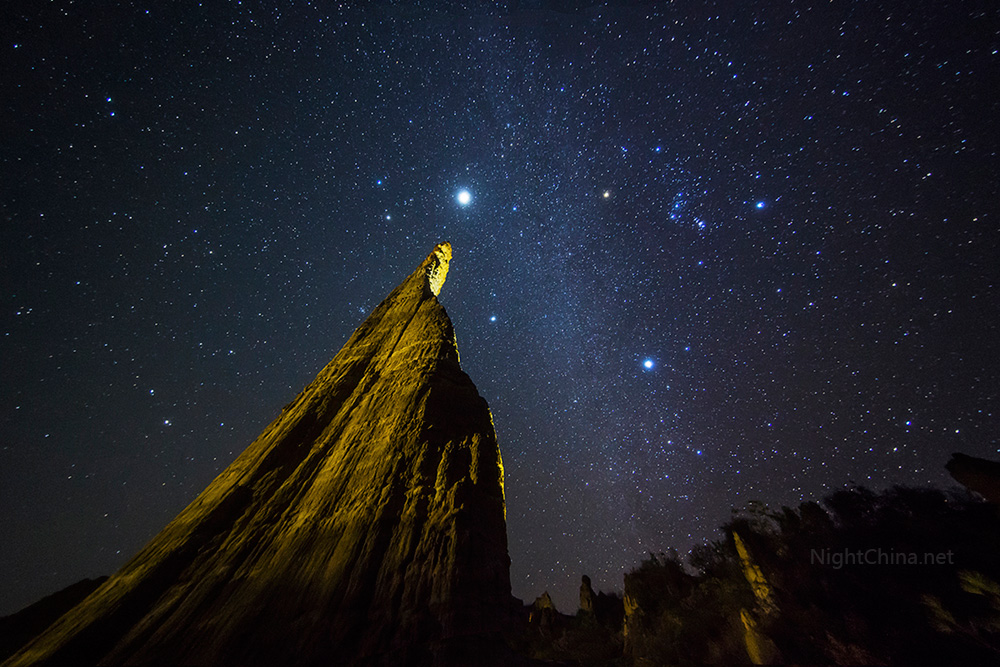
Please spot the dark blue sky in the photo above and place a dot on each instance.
(790, 209)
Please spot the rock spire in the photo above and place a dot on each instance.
(365, 525)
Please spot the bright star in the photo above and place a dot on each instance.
(493, 318)
(607, 194)
(761, 204)
(464, 197)
(648, 364)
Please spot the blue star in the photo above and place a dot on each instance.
(648, 364)
(464, 197)
(761, 204)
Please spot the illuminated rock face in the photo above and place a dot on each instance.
(364, 526)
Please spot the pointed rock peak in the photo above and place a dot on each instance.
(437, 266)
(365, 526)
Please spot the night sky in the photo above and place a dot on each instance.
(714, 252)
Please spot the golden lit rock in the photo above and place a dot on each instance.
(760, 649)
(755, 577)
(365, 525)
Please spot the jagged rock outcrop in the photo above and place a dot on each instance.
(976, 474)
(586, 596)
(656, 586)
(755, 577)
(543, 617)
(542, 606)
(366, 524)
(760, 649)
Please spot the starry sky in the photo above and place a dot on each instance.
(712, 252)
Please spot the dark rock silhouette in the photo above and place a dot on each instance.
(905, 576)
(17, 629)
(542, 610)
(975, 474)
(365, 525)
(586, 596)
(592, 637)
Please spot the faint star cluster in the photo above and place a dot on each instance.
(705, 253)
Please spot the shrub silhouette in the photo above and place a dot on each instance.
(905, 576)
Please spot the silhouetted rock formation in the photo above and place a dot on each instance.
(609, 611)
(586, 596)
(366, 524)
(17, 629)
(587, 638)
(655, 585)
(543, 610)
(900, 577)
(975, 474)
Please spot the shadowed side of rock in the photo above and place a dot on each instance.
(365, 525)
(976, 474)
(19, 628)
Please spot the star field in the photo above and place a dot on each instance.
(707, 253)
